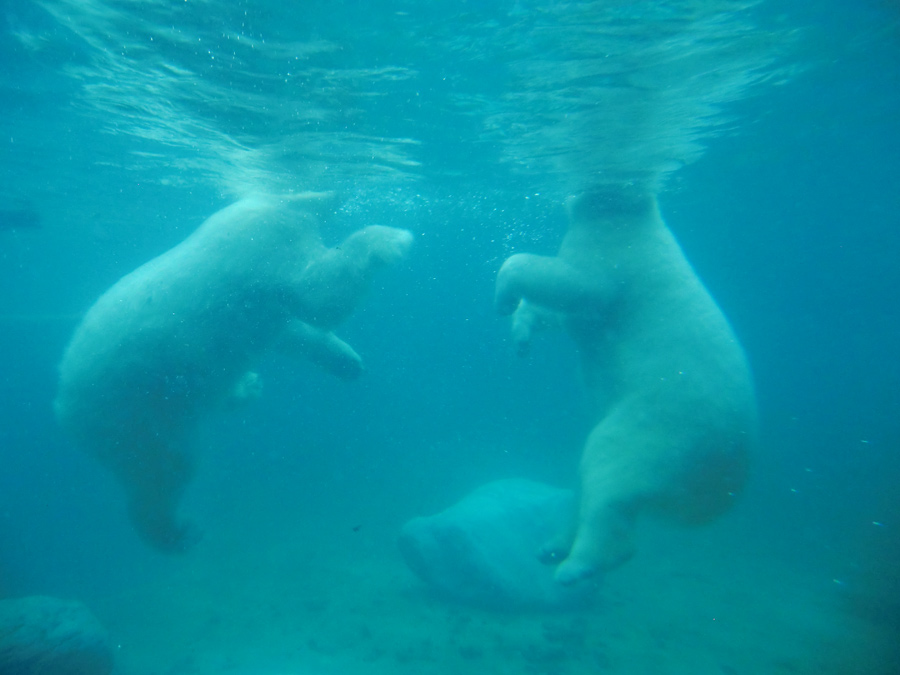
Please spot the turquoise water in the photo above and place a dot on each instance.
(771, 134)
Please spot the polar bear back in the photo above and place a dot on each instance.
(668, 376)
(658, 333)
(197, 313)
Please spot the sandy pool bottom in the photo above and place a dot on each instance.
(294, 607)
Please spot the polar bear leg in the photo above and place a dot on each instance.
(604, 541)
(528, 319)
(545, 281)
(620, 475)
(323, 348)
(154, 480)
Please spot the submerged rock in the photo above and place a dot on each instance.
(47, 636)
(484, 549)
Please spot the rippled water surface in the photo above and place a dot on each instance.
(770, 133)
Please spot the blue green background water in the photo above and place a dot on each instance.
(125, 124)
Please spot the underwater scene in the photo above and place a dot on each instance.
(536, 337)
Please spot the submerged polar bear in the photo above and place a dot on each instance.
(673, 396)
(176, 338)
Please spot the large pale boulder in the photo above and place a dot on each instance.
(484, 549)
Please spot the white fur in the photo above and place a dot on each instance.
(674, 402)
(176, 338)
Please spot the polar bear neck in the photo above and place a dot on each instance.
(618, 219)
(623, 204)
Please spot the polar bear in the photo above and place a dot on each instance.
(177, 337)
(672, 393)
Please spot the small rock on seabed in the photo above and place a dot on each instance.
(47, 636)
